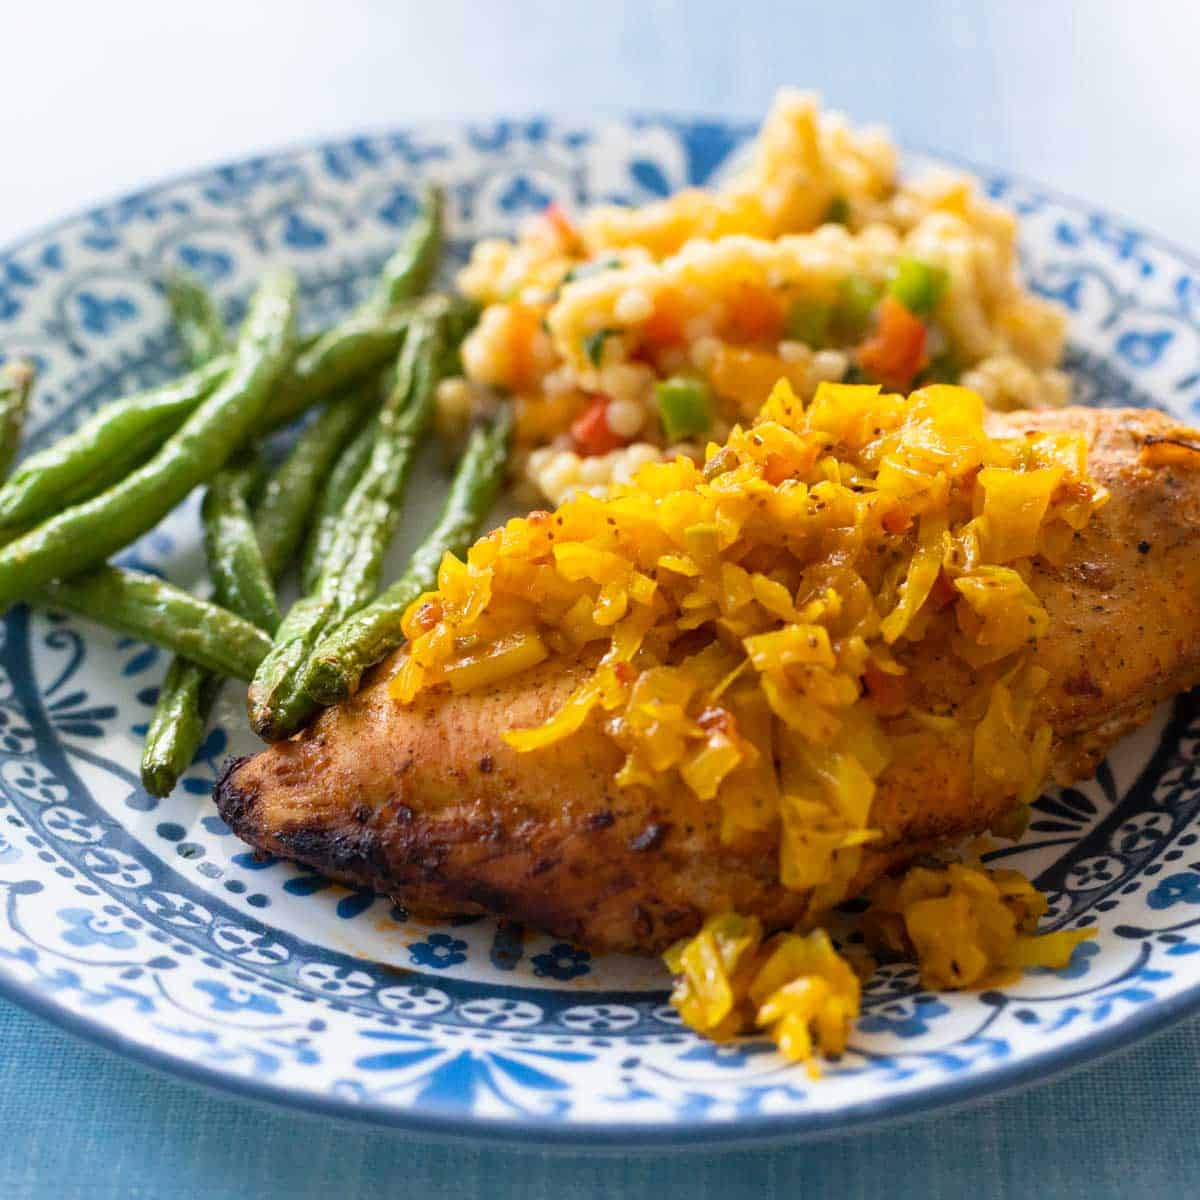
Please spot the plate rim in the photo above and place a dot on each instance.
(603, 1137)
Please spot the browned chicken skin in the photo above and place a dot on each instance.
(427, 803)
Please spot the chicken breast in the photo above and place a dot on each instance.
(427, 802)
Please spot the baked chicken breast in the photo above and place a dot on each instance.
(427, 803)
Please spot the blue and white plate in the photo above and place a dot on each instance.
(147, 926)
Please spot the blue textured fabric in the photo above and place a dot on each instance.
(80, 1122)
(1060, 92)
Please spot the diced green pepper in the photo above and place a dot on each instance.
(593, 345)
(838, 212)
(918, 285)
(589, 269)
(808, 322)
(858, 297)
(945, 368)
(684, 407)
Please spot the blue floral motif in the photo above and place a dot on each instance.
(1082, 960)
(210, 265)
(15, 736)
(908, 1017)
(223, 998)
(649, 176)
(523, 195)
(86, 928)
(1144, 349)
(302, 234)
(563, 961)
(1183, 888)
(399, 208)
(439, 951)
(728, 1056)
(100, 314)
(344, 161)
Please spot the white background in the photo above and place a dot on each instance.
(1093, 97)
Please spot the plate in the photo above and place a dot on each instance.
(148, 927)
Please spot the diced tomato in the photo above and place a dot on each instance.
(591, 431)
(897, 351)
(563, 226)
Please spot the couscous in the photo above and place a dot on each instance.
(626, 335)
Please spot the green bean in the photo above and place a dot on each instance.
(177, 725)
(285, 508)
(235, 561)
(113, 441)
(152, 610)
(197, 318)
(347, 471)
(339, 358)
(372, 333)
(121, 436)
(350, 573)
(337, 665)
(16, 384)
(413, 263)
(188, 692)
(85, 535)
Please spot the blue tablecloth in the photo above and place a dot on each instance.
(1094, 98)
(79, 1122)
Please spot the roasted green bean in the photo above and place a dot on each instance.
(350, 573)
(337, 665)
(197, 318)
(285, 508)
(152, 610)
(339, 358)
(408, 272)
(177, 724)
(16, 384)
(105, 448)
(85, 535)
(188, 691)
(371, 334)
(121, 436)
(235, 560)
(338, 485)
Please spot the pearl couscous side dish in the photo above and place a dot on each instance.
(626, 335)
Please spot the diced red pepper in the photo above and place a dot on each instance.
(890, 692)
(896, 353)
(591, 431)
